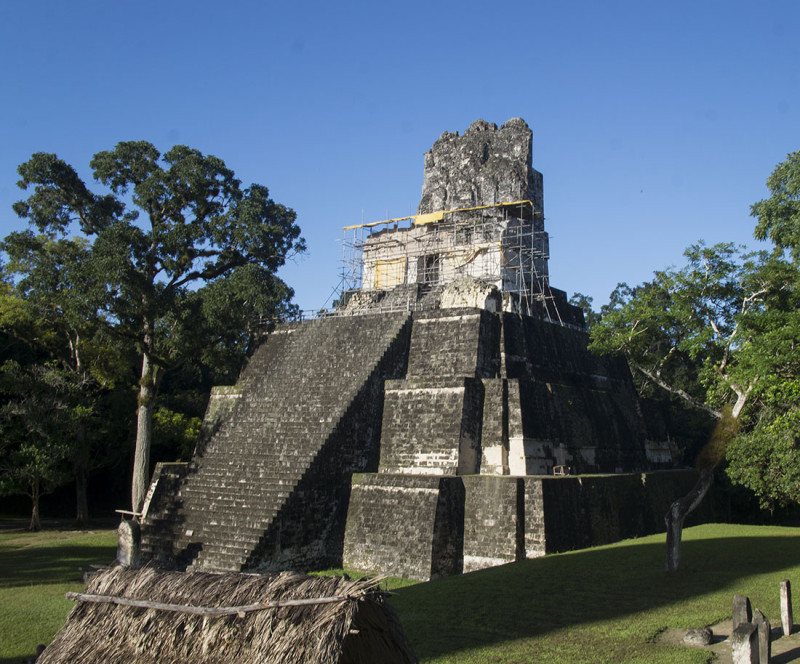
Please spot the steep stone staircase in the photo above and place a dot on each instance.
(310, 396)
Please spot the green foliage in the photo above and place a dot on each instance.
(53, 311)
(779, 215)
(38, 418)
(724, 331)
(201, 263)
(683, 331)
(584, 302)
(176, 261)
(765, 460)
(175, 432)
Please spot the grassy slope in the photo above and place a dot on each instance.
(36, 569)
(598, 605)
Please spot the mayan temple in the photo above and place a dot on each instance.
(445, 417)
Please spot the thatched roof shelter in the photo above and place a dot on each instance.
(277, 618)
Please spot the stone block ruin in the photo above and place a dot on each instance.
(415, 430)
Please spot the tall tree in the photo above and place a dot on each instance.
(39, 403)
(725, 331)
(709, 458)
(766, 457)
(779, 215)
(685, 330)
(61, 322)
(181, 257)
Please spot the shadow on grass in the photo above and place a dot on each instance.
(18, 660)
(15, 660)
(785, 657)
(58, 563)
(534, 597)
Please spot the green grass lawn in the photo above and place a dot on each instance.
(605, 604)
(36, 570)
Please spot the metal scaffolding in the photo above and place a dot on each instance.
(503, 244)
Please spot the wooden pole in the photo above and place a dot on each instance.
(210, 611)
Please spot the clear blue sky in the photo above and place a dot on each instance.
(655, 123)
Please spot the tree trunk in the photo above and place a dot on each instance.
(81, 469)
(741, 400)
(36, 523)
(678, 512)
(148, 385)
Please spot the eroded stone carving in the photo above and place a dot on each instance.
(485, 166)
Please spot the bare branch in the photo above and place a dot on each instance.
(678, 392)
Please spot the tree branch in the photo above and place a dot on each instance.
(678, 392)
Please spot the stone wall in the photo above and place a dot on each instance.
(588, 511)
(497, 520)
(455, 342)
(490, 400)
(432, 427)
(433, 419)
(494, 521)
(406, 525)
(567, 406)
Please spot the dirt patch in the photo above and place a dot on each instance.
(784, 648)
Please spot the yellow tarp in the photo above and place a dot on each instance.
(390, 273)
(428, 218)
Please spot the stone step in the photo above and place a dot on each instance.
(255, 477)
(209, 489)
(219, 521)
(227, 484)
(245, 465)
(255, 456)
(254, 481)
(218, 563)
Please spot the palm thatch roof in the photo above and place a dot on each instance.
(265, 620)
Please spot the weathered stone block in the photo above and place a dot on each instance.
(698, 637)
(787, 617)
(409, 525)
(486, 165)
(129, 544)
(742, 611)
(764, 636)
(744, 644)
(432, 427)
(494, 521)
(494, 428)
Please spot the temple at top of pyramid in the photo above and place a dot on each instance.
(477, 240)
